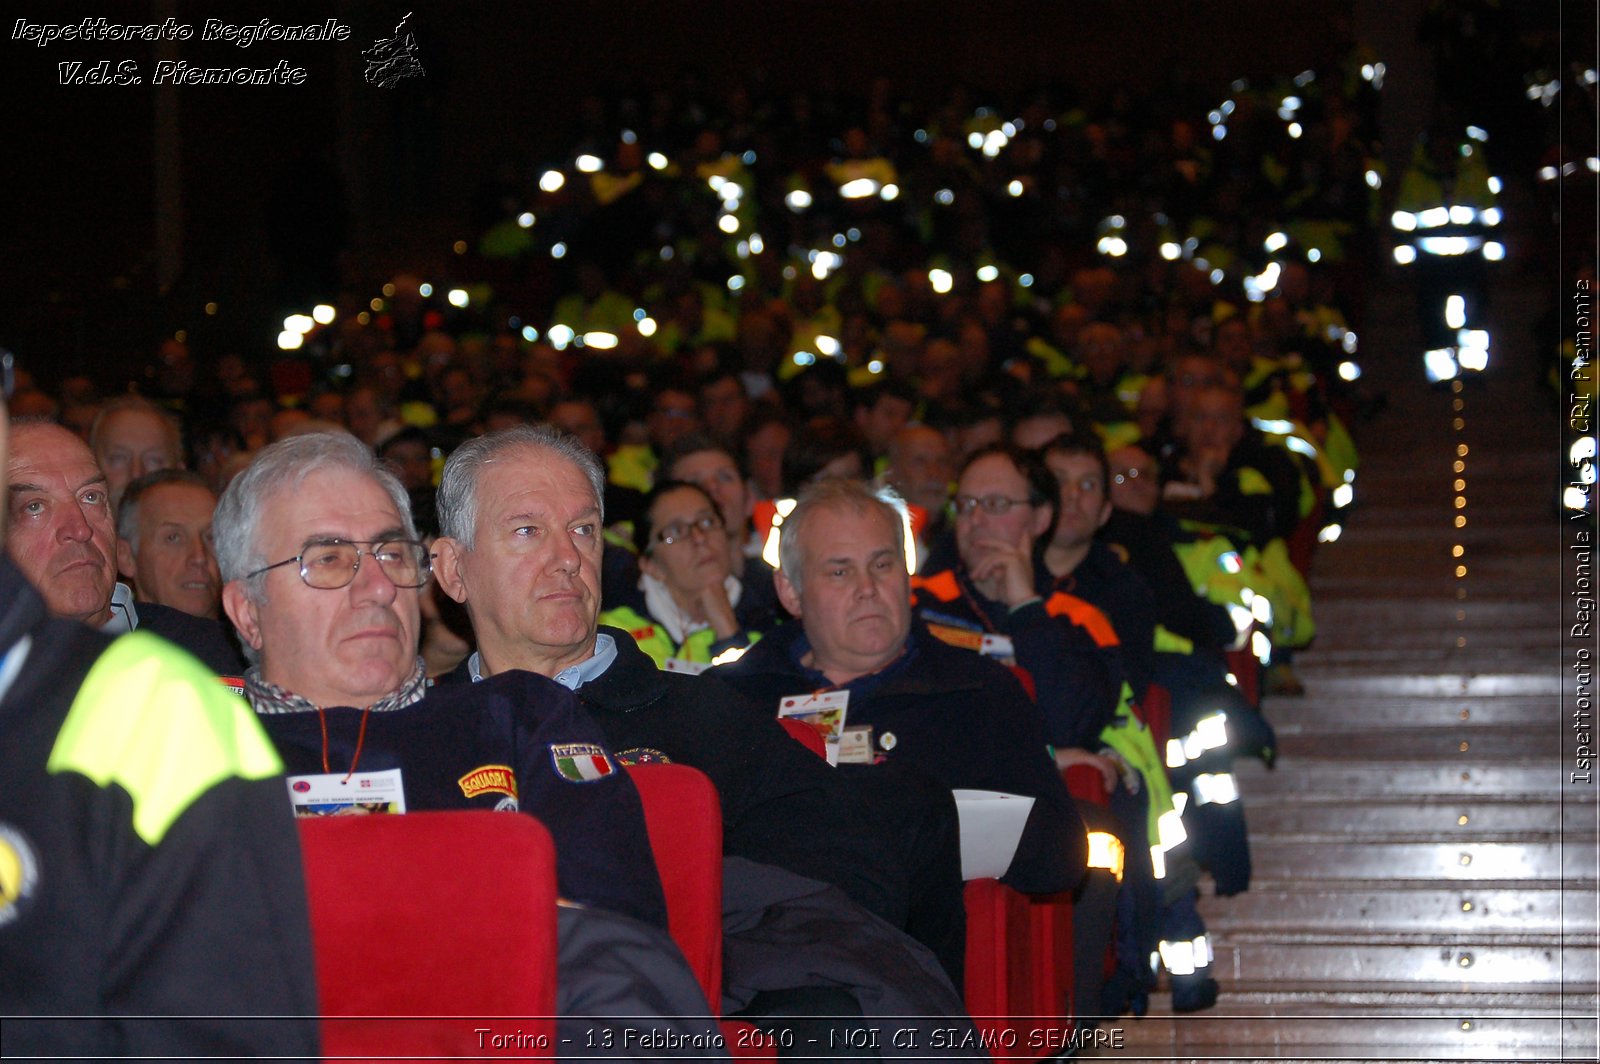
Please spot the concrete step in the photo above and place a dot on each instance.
(1469, 909)
(1321, 710)
(1297, 777)
(1444, 742)
(1456, 862)
(1360, 1034)
(1475, 820)
(1478, 683)
(1345, 1039)
(1346, 967)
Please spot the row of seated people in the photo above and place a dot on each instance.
(342, 664)
(693, 532)
(1233, 487)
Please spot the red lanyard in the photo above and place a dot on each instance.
(361, 737)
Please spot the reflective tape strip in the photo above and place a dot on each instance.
(1215, 788)
(1106, 851)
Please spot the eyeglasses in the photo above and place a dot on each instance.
(329, 564)
(1133, 473)
(1085, 485)
(706, 525)
(993, 505)
(8, 374)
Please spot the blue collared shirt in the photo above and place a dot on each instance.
(573, 676)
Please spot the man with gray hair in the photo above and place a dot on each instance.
(957, 715)
(324, 570)
(164, 541)
(521, 515)
(130, 437)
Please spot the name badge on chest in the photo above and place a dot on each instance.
(824, 711)
(347, 794)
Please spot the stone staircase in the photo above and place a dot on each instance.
(1425, 876)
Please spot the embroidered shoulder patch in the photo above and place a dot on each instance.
(642, 755)
(581, 762)
(489, 779)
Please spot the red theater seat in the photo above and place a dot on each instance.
(430, 915)
(684, 818)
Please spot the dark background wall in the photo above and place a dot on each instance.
(127, 209)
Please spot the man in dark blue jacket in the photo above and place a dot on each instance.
(963, 718)
(323, 571)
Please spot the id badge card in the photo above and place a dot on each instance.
(352, 794)
(998, 647)
(855, 745)
(824, 711)
(684, 665)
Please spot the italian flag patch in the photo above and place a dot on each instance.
(581, 762)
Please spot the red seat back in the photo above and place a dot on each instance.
(684, 819)
(444, 914)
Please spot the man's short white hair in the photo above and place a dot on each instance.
(836, 493)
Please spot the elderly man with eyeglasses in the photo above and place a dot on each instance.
(323, 570)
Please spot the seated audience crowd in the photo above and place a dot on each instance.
(981, 427)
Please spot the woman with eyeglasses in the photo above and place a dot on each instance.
(688, 610)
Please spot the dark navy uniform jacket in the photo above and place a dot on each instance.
(957, 715)
(1107, 582)
(516, 721)
(1078, 674)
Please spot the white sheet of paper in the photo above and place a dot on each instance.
(991, 827)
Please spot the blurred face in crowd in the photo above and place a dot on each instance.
(723, 407)
(1100, 349)
(672, 416)
(763, 455)
(1085, 506)
(284, 422)
(252, 419)
(697, 558)
(980, 532)
(1135, 480)
(133, 442)
(347, 646)
(531, 579)
(580, 419)
(411, 461)
(328, 406)
(1034, 432)
(1232, 343)
(363, 414)
(852, 594)
(1213, 421)
(883, 419)
(171, 559)
(1190, 375)
(920, 467)
(715, 473)
(61, 534)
